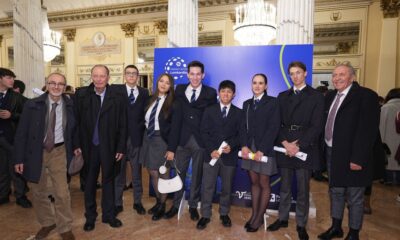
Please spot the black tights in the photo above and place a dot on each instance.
(260, 195)
(154, 174)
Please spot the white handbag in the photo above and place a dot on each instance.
(169, 185)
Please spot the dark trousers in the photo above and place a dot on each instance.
(303, 194)
(132, 158)
(193, 151)
(354, 196)
(210, 174)
(8, 174)
(107, 179)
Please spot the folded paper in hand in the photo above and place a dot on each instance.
(300, 155)
(214, 160)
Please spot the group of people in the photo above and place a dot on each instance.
(111, 125)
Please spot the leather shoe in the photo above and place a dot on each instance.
(118, 209)
(114, 223)
(247, 225)
(24, 202)
(67, 236)
(89, 226)
(44, 232)
(331, 233)
(4, 200)
(159, 213)
(139, 208)
(276, 225)
(154, 208)
(171, 213)
(226, 221)
(194, 215)
(202, 223)
(251, 229)
(351, 237)
(302, 233)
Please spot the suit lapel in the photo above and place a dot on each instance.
(349, 97)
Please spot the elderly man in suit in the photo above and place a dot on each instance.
(136, 98)
(350, 133)
(221, 122)
(45, 137)
(301, 109)
(101, 117)
(194, 98)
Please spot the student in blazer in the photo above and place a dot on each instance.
(301, 109)
(259, 129)
(135, 98)
(160, 140)
(194, 98)
(221, 122)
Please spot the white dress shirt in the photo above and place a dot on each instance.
(189, 92)
(147, 116)
(135, 91)
(227, 107)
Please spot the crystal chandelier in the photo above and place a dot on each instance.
(51, 39)
(255, 23)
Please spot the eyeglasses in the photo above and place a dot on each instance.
(53, 84)
(131, 74)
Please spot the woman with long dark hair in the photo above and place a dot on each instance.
(259, 130)
(160, 140)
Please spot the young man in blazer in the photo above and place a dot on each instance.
(46, 137)
(350, 132)
(194, 98)
(221, 122)
(101, 118)
(301, 109)
(135, 98)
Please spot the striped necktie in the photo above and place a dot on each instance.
(224, 112)
(131, 97)
(193, 98)
(152, 120)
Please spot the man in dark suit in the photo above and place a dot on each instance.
(101, 117)
(11, 105)
(45, 139)
(350, 132)
(194, 98)
(302, 109)
(135, 97)
(221, 122)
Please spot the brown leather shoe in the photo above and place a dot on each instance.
(67, 235)
(44, 231)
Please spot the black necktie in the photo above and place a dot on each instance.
(256, 102)
(50, 137)
(224, 112)
(1, 99)
(297, 91)
(131, 97)
(193, 98)
(152, 120)
(96, 137)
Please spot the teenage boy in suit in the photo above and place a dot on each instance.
(221, 122)
(194, 98)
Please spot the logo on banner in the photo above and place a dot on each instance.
(176, 67)
(243, 195)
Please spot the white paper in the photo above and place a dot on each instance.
(300, 155)
(37, 91)
(214, 160)
(251, 156)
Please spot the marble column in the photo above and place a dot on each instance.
(182, 23)
(162, 37)
(295, 22)
(130, 54)
(70, 67)
(388, 47)
(1, 50)
(28, 44)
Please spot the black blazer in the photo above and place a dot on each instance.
(170, 126)
(354, 134)
(261, 124)
(305, 110)
(14, 103)
(135, 114)
(192, 113)
(112, 125)
(215, 130)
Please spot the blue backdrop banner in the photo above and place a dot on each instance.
(238, 64)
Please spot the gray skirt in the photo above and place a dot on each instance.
(152, 151)
(269, 168)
